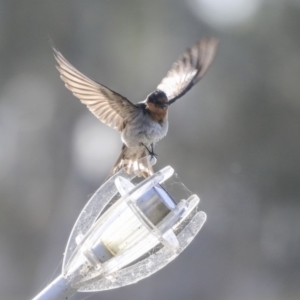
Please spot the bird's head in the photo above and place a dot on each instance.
(158, 99)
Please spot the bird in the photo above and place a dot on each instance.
(143, 124)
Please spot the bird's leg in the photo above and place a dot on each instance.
(151, 152)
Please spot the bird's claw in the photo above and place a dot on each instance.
(150, 152)
(153, 155)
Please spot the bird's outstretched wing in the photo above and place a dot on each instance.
(108, 106)
(188, 69)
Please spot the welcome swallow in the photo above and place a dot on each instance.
(143, 124)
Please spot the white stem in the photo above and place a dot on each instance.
(58, 289)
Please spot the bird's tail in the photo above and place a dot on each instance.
(133, 160)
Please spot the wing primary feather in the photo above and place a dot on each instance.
(188, 69)
(107, 105)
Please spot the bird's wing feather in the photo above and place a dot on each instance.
(188, 69)
(108, 106)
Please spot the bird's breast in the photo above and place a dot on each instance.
(143, 129)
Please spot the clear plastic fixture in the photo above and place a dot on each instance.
(119, 240)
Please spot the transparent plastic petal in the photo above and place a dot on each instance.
(127, 232)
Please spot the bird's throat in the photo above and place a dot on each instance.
(158, 114)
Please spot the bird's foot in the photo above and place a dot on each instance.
(150, 152)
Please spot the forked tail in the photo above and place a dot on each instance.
(131, 160)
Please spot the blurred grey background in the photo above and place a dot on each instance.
(234, 139)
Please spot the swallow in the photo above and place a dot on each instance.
(143, 124)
